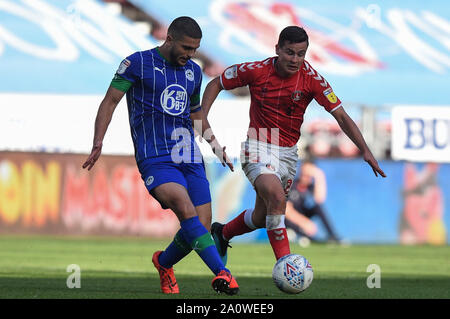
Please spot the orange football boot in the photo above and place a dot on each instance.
(225, 282)
(167, 277)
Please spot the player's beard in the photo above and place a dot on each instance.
(175, 59)
(183, 61)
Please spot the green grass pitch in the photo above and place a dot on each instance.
(36, 267)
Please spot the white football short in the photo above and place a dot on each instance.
(262, 158)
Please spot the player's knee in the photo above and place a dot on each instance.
(276, 202)
(182, 208)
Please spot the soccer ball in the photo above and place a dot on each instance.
(292, 274)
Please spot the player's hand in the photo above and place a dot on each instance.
(368, 157)
(223, 157)
(95, 154)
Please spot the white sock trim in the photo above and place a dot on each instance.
(274, 222)
(248, 218)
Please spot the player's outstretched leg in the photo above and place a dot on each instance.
(222, 234)
(166, 276)
(200, 240)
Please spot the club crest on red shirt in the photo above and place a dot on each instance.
(296, 95)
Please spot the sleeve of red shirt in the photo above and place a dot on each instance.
(323, 93)
(236, 76)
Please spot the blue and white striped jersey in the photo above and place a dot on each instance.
(160, 101)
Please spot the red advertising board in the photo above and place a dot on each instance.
(50, 193)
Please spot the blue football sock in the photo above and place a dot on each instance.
(201, 241)
(176, 251)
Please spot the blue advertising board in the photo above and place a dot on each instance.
(409, 206)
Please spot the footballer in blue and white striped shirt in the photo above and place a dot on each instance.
(162, 87)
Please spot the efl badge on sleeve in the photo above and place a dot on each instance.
(231, 72)
(330, 95)
(123, 66)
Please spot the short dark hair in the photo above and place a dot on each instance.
(184, 26)
(292, 34)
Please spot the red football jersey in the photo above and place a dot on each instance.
(278, 102)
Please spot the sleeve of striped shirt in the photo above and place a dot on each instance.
(120, 83)
(195, 97)
(324, 95)
(129, 68)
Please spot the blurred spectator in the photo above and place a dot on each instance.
(305, 201)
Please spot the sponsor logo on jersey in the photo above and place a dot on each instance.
(149, 180)
(123, 66)
(330, 95)
(231, 72)
(174, 99)
(296, 95)
(189, 75)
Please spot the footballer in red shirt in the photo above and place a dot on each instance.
(281, 88)
(278, 102)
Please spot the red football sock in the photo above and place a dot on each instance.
(236, 227)
(279, 241)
